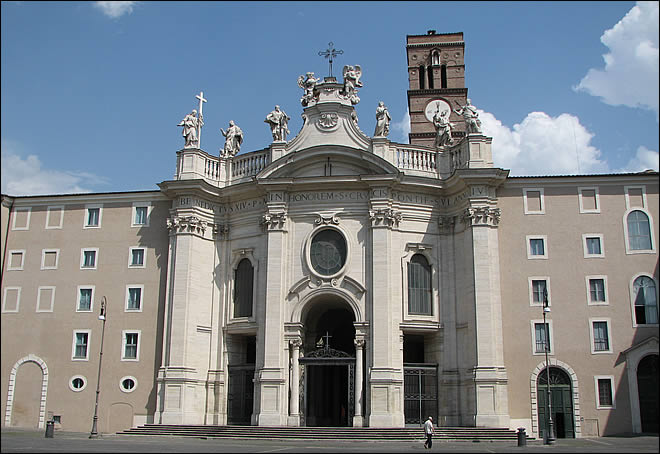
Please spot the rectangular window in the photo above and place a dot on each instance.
(596, 290)
(136, 257)
(80, 351)
(539, 287)
(536, 247)
(93, 216)
(601, 339)
(45, 299)
(21, 218)
(589, 200)
(88, 258)
(130, 350)
(85, 298)
(533, 201)
(635, 196)
(601, 335)
(49, 259)
(604, 391)
(134, 298)
(593, 245)
(54, 217)
(141, 214)
(542, 337)
(11, 299)
(16, 260)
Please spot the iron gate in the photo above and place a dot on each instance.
(420, 383)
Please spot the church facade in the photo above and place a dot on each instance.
(339, 279)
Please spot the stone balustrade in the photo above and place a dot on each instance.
(473, 151)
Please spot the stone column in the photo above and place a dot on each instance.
(294, 398)
(358, 418)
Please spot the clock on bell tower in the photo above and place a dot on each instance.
(436, 82)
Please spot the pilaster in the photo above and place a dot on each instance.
(271, 381)
(489, 373)
(386, 373)
(182, 379)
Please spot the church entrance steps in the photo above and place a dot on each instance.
(337, 433)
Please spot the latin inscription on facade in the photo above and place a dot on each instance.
(332, 196)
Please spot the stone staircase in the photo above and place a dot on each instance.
(315, 433)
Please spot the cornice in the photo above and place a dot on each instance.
(437, 91)
(70, 199)
(438, 44)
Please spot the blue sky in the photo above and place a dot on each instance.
(92, 92)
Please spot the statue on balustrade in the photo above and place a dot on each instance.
(233, 139)
(352, 82)
(308, 83)
(382, 121)
(278, 121)
(443, 129)
(191, 124)
(470, 116)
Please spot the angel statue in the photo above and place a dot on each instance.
(233, 139)
(352, 82)
(307, 83)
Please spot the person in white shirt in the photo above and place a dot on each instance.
(428, 431)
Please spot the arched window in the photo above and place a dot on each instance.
(646, 303)
(430, 71)
(419, 286)
(443, 76)
(639, 231)
(435, 57)
(422, 75)
(243, 285)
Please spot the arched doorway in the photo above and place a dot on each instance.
(328, 364)
(647, 387)
(561, 398)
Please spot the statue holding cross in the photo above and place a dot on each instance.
(192, 125)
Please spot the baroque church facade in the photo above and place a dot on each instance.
(338, 279)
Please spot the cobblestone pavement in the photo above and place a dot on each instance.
(22, 441)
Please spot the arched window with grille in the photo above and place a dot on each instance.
(646, 303)
(639, 231)
(419, 286)
(243, 288)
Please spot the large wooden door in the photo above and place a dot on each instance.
(561, 400)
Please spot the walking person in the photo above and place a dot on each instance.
(428, 431)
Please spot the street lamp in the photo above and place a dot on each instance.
(102, 316)
(550, 438)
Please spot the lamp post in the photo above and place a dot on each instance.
(102, 316)
(550, 438)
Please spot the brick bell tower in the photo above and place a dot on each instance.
(436, 80)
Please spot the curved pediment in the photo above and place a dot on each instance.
(327, 160)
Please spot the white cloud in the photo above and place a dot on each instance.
(644, 159)
(402, 128)
(115, 9)
(543, 145)
(630, 76)
(21, 177)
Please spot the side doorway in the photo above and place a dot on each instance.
(561, 398)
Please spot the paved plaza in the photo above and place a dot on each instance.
(22, 441)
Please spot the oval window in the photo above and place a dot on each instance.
(328, 252)
(128, 384)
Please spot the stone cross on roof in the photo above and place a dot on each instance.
(200, 96)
